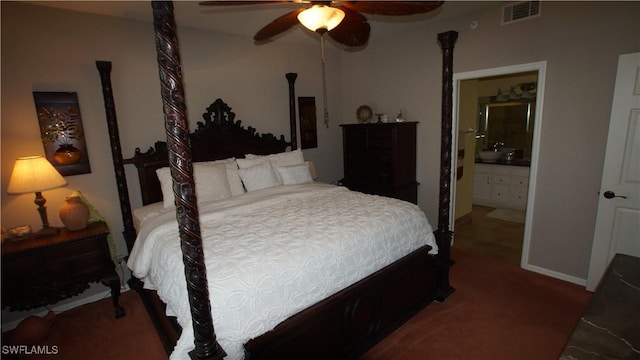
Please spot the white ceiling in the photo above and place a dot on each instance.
(247, 20)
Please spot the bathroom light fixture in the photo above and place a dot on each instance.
(500, 97)
(321, 18)
(36, 174)
(513, 95)
(527, 89)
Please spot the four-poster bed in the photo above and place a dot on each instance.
(342, 325)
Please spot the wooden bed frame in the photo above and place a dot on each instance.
(344, 325)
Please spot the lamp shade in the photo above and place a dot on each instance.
(33, 174)
(321, 17)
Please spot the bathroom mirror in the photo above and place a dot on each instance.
(510, 123)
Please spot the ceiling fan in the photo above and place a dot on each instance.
(341, 20)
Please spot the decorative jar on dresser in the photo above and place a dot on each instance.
(380, 158)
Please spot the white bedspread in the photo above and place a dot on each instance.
(274, 252)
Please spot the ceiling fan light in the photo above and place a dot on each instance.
(321, 17)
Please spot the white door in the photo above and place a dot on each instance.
(618, 221)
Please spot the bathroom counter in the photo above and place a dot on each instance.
(516, 162)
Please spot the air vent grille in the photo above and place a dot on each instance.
(520, 11)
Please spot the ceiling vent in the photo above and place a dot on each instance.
(520, 11)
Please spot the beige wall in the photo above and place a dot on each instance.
(46, 49)
(580, 41)
(51, 50)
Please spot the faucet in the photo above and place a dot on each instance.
(498, 145)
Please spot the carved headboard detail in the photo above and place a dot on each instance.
(220, 136)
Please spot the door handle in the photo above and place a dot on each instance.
(610, 195)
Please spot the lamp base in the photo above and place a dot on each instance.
(46, 232)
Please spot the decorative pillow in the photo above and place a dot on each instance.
(286, 158)
(247, 163)
(295, 174)
(259, 176)
(312, 169)
(235, 184)
(211, 183)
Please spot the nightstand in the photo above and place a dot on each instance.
(38, 272)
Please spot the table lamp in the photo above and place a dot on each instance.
(36, 174)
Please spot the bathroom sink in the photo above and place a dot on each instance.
(490, 156)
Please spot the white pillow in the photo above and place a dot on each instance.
(142, 213)
(247, 163)
(286, 158)
(235, 184)
(259, 177)
(295, 174)
(211, 183)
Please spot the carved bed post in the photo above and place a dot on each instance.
(104, 68)
(291, 78)
(180, 163)
(444, 235)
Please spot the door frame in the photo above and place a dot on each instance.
(541, 68)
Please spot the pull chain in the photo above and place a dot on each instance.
(324, 84)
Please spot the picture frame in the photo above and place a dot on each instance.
(61, 131)
(308, 122)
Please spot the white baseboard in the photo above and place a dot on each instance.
(557, 275)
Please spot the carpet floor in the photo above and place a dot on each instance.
(498, 311)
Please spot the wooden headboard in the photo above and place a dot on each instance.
(220, 136)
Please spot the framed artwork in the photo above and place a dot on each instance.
(61, 131)
(308, 127)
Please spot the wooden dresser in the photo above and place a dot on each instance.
(380, 159)
(38, 272)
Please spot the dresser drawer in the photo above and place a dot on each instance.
(381, 159)
(500, 179)
(380, 138)
(355, 140)
(520, 181)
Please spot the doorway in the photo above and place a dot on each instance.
(472, 135)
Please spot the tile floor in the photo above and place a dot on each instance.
(482, 235)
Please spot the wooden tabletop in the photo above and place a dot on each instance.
(96, 228)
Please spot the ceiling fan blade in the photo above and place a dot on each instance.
(234, 2)
(354, 29)
(393, 8)
(279, 25)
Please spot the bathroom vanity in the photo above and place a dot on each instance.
(501, 184)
